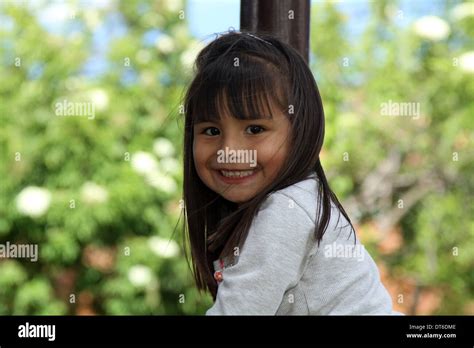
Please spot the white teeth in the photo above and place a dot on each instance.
(236, 174)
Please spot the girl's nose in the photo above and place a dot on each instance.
(233, 143)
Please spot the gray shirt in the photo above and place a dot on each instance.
(280, 270)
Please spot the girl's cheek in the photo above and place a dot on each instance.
(197, 148)
(272, 158)
(202, 152)
(273, 150)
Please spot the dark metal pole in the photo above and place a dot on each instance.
(288, 20)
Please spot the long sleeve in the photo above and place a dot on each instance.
(271, 260)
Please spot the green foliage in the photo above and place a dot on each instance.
(413, 172)
(107, 240)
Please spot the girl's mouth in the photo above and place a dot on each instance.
(236, 176)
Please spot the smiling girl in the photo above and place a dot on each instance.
(268, 237)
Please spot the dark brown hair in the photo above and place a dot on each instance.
(269, 72)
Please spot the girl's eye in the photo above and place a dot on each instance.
(254, 129)
(212, 131)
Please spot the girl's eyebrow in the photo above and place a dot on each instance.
(269, 118)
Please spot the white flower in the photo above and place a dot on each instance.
(91, 18)
(173, 5)
(55, 13)
(163, 147)
(100, 99)
(165, 44)
(432, 28)
(170, 165)
(189, 56)
(93, 193)
(466, 62)
(33, 201)
(144, 162)
(163, 247)
(161, 182)
(140, 275)
(463, 10)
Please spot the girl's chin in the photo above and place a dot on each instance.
(238, 199)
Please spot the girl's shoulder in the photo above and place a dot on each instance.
(299, 202)
(302, 195)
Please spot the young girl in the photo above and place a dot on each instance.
(263, 225)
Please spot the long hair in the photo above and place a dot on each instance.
(269, 72)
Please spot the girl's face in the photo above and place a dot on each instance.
(238, 158)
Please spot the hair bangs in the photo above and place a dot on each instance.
(246, 91)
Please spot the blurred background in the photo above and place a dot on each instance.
(91, 135)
